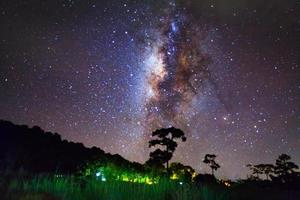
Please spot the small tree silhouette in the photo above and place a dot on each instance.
(209, 159)
(266, 169)
(165, 137)
(256, 171)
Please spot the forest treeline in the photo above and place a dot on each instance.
(36, 151)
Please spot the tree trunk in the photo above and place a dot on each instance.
(168, 167)
(167, 161)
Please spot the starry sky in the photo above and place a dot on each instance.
(108, 73)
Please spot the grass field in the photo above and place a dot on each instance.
(77, 189)
(71, 188)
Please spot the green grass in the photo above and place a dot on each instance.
(74, 188)
(78, 189)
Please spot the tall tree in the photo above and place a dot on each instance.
(165, 137)
(284, 166)
(209, 159)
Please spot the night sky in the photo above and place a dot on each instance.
(108, 73)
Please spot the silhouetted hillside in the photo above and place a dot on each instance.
(37, 151)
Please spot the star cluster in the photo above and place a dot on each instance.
(108, 73)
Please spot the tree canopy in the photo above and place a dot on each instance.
(164, 138)
(210, 160)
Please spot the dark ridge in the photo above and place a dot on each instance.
(36, 151)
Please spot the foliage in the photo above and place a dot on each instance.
(285, 169)
(74, 188)
(284, 166)
(255, 172)
(111, 172)
(210, 160)
(71, 188)
(181, 172)
(37, 151)
(267, 169)
(283, 173)
(165, 137)
(38, 165)
(205, 179)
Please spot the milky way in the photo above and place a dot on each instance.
(109, 73)
(173, 80)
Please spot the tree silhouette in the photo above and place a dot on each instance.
(165, 137)
(266, 169)
(284, 167)
(256, 171)
(209, 159)
(181, 172)
(36, 151)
